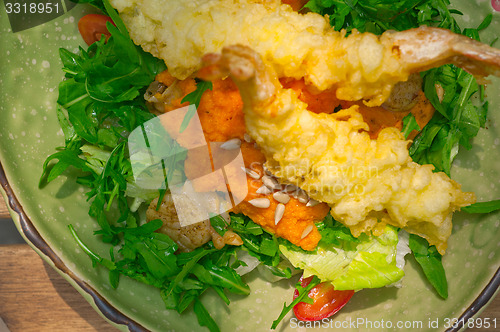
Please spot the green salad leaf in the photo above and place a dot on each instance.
(369, 262)
(96, 3)
(430, 260)
(483, 207)
(194, 99)
(260, 244)
(100, 102)
(368, 270)
(377, 16)
(203, 316)
(410, 124)
(334, 233)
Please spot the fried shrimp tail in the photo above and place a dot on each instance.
(245, 65)
(424, 48)
(368, 183)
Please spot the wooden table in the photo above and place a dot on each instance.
(34, 297)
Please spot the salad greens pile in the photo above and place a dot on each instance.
(101, 102)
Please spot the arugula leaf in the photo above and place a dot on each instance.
(334, 232)
(95, 257)
(459, 117)
(302, 297)
(211, 273)
(409, 124)
(377, 16)
(96, 3)
(194, 98)
(66, 158)
(430, 260)
(259, 243)
(99, 103)
(186, 270)
(483, 207)
(116, 19)
(219, 224)
(204, 318)
(457, 121)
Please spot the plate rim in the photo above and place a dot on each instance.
(41, 247)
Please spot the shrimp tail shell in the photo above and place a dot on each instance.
(426, 47)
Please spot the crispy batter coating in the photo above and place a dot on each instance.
(296, 45)
(360, 66)
(367, 182)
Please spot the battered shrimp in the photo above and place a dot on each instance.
(361, 66)
(368, 183)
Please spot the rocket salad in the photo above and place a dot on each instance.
(101, 102)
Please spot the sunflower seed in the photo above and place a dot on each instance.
(260, 202)
(232, 144)
(290, 188)
(312, 202)
(251, 173)
(281, 197)
(270, 182)
(264, 190)
(278, 213)
(301, 196)
(247, 138)
(267, 171)
(306, 231)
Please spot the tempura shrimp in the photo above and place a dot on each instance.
(368, 183)
(360, 66)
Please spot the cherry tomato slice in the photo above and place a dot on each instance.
(496, 5)
(327, 301)
(92, 26)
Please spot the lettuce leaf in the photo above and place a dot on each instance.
(368, 270)
(369, 264)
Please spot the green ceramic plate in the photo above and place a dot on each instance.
(29, 132)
